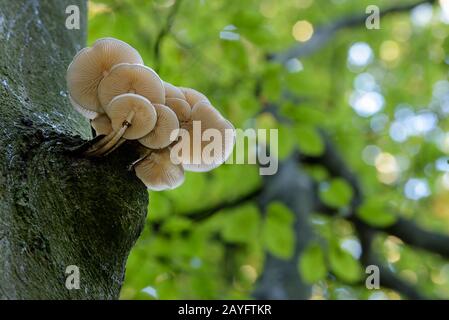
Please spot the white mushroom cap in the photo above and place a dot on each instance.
(131, 78)
(90, 65)
(193, 96)
(102, 125)
(180, 107)
(143, 119)
(209, 118)
(160, 137)
(89, 114)
(158, 172)
(172, 91)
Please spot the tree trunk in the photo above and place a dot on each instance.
(294, 188)
(56, 208)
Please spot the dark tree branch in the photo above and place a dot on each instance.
(414, 235)
(165, 30)
(366, 234)
(332, 160)
(336, 166)
(326, 33)
(205, 213)
(387, 278)
(408, 231)
(404, 229)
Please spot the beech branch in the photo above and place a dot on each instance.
(324, 34)
(408, 231)
(388, 279)
(412, 234)
(165, 30)
(205, 213)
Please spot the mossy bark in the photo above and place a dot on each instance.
(56, 208)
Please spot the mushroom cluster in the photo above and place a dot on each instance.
(126, 100)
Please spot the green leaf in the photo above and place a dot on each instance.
(241, 225)
(373, 212)
(176, 224)
(309, 140)
(250, 25)
(278, 233)
(272, 82)
(304, 114)
(343, 264)
(235, 52)
(338, 193)
(286, 142)
(317, 172)
(312, 265)
(310, 115)
(266, 120)
(158, 206)
(247, 19)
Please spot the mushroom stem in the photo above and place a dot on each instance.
(100, 143)
(108, 142)
(111, 143)
(118, 144)
(142, 157)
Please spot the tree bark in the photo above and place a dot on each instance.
(294, 188)
(56, 208)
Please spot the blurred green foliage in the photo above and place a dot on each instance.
(220, 48)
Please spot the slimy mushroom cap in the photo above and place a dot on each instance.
(160, 137)
(193, 96)
(209, 118)
(158, 172)
(143, 119)
(89, 114)
(180, 107)
(90, 65)
(172, 91)
(131, 78)
(102, 125)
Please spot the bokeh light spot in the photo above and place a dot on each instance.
(302, 31)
